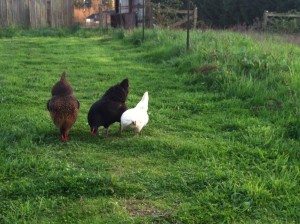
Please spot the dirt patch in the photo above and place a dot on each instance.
(142, 208)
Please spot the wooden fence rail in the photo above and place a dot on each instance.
(194, 14)
(173, 18)
(269, 15)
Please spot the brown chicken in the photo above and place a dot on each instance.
(63, 107)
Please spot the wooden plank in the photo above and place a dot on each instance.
(195, 17)
(265, 20)
(3, 13)
(8, 12)
(61, 13)
(33, 13)
(43, 13)
(13, 11)
(268, 15)
(287, 15)
(58, 12)
(54, 13)
(181, 11)
(24, 13)
(65, 13)
(71, 12)
(181, 22)
(37, 12)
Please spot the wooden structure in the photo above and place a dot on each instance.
(80, 14)
(36, 13)
(174, 18)
(129, 13)
(269, 15)
(185, 19)
(60, 13)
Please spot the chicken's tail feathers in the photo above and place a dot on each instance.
(125, 83)
(143, 104)
(63, 76)
(146, 96)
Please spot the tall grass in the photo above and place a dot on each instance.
(75, 31)
(221, 146)
(265, 74)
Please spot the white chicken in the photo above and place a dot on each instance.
(137, 117)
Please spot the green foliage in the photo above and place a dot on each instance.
(119, 34)
(285, 25)
(54, 32)
(8, 31)
(222, 144)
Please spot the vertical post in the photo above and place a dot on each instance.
(7, 14)
(100, 14)
(106, 22)
(195, 17)
(265, 20)
(188, 27)
(143, 38)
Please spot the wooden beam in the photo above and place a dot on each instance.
(288, 15)
(265, 20)
(178, 23)
(195, 17)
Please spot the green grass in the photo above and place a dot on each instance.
(222, 144)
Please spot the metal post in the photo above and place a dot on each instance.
(188, 27)
(143, 38)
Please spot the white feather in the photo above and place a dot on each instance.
(137, 117)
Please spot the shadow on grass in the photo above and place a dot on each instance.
(52, 137)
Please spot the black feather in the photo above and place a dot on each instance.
(48, 105)
(110, 107)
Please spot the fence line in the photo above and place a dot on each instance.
(174, 18)
(194, 14)
(268, 15)
(36, 13)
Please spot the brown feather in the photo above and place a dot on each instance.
(63, 106)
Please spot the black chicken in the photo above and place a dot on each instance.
(109, 108)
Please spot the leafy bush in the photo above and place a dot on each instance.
(285, 25)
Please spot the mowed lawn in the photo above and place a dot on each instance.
(204, 157)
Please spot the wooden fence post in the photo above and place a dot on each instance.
(195, 17)
(143, 37)
(188, 27)
(265, 20)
